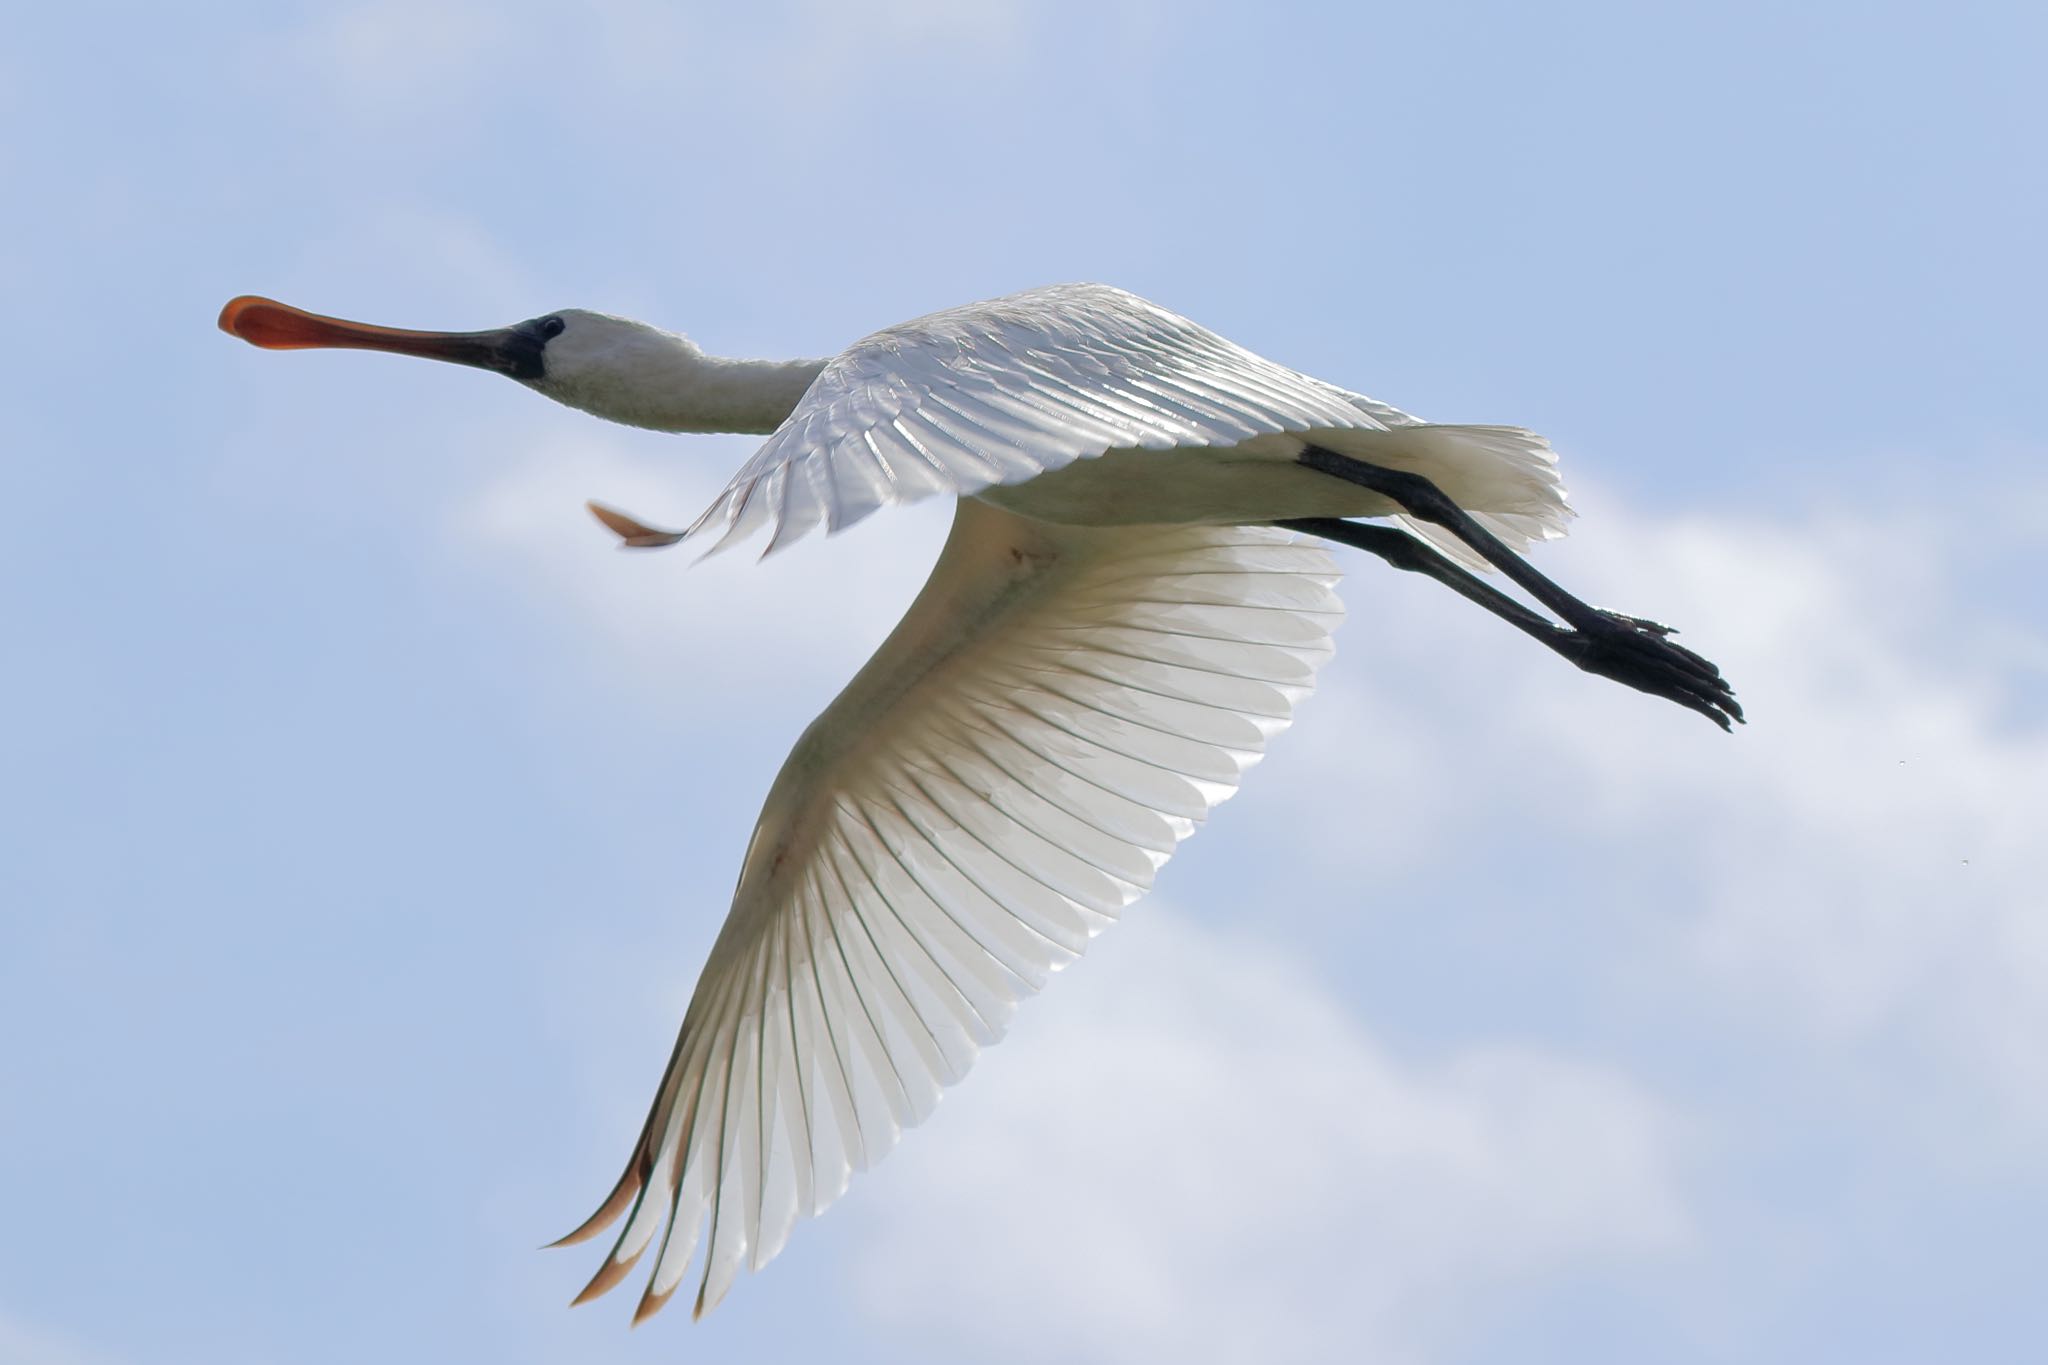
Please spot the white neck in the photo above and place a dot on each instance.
(645, 377)
(717, 394)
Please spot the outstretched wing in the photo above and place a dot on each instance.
(1057, 710)
(998, 392)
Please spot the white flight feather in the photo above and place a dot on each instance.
(987, 794)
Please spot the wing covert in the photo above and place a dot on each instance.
(1001, 391)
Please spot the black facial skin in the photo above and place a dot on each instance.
(519, 350)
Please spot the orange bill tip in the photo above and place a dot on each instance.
(263, 322)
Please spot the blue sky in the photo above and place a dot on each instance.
(367, 816)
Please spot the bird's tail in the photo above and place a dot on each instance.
(1506, 477)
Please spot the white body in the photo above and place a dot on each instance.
(1082, 404)
(1106, 643)
(1110, 636)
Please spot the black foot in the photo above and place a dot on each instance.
(1641, 654)
(1627, 649)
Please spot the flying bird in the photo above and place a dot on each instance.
(1128, 606)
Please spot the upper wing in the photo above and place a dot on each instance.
(997, 392)
(1055, 712)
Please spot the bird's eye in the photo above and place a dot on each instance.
(551, 327)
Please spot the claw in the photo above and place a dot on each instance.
(1656, 628)
(1635, 652)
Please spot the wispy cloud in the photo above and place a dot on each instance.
(1862, 862)
(1197, 1153)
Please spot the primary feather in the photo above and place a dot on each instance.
(1059, 708)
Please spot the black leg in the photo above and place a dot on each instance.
(1404, 551)
(1424, 501)
(1623, 648)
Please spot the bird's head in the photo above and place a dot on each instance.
(602, 364)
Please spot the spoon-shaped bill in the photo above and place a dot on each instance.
(277, 326)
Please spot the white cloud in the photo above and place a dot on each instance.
(1195, 1153)
(1884, 843)
(1861, 865)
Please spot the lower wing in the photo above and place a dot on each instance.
(1057, 710)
